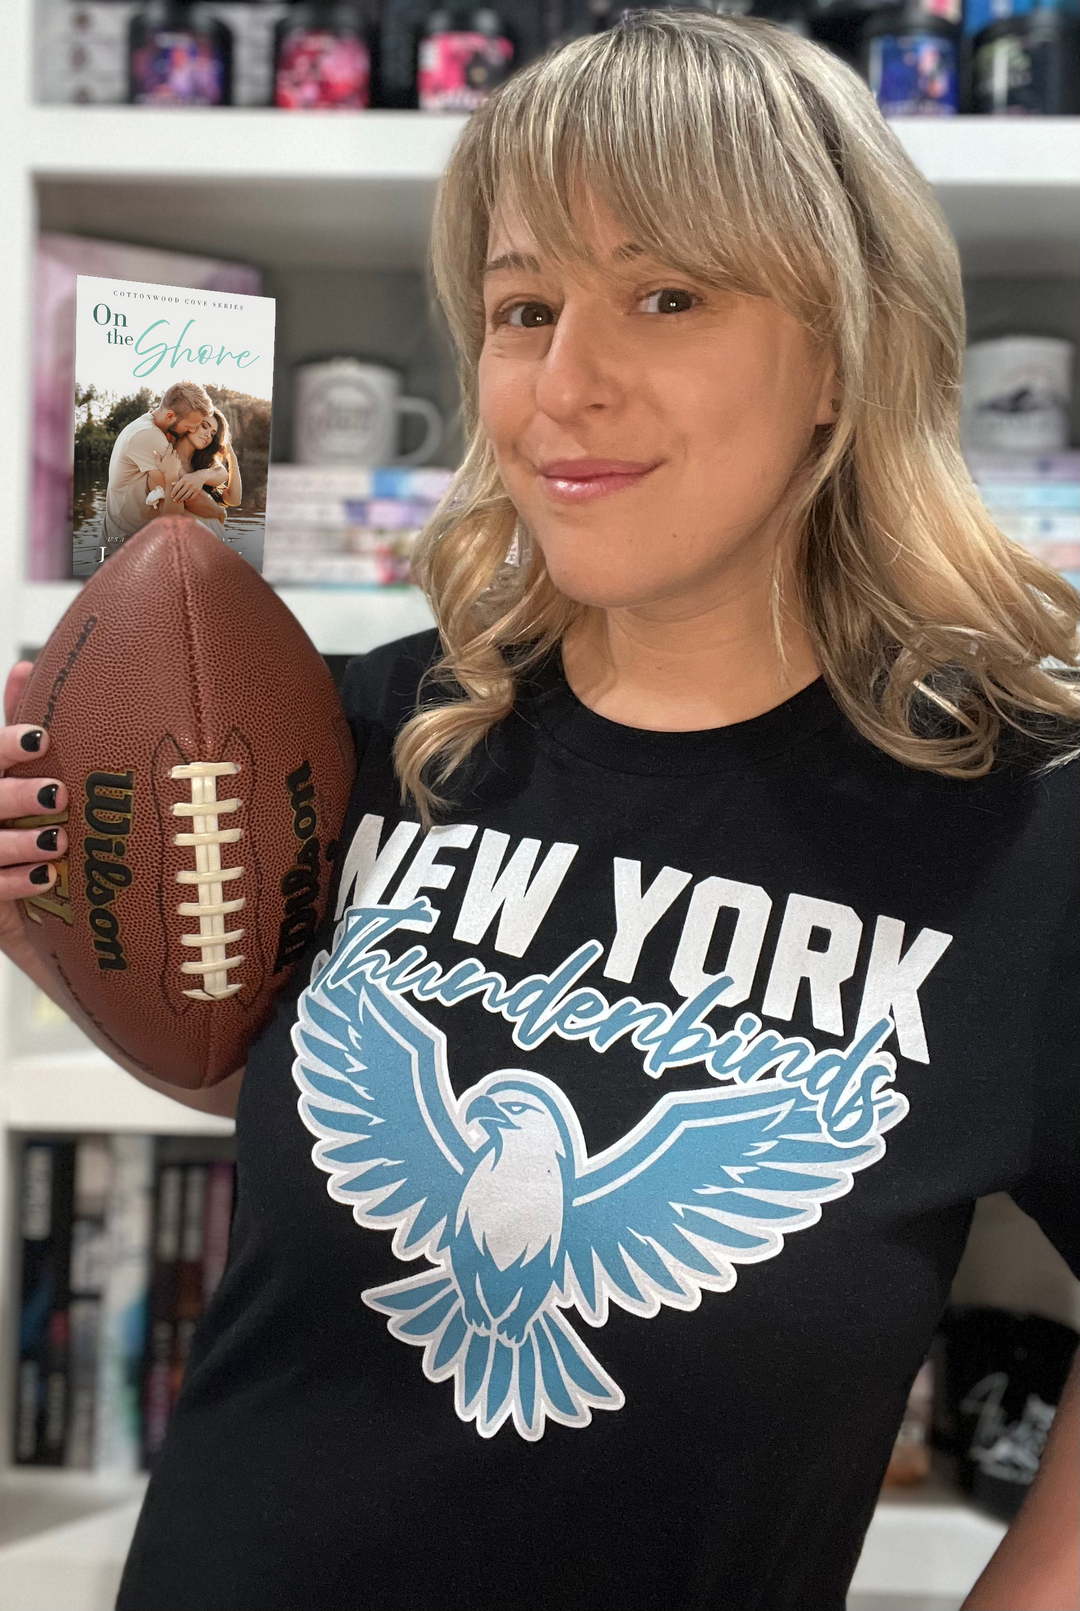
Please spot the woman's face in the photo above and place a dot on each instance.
(707, 399)
(203, 434)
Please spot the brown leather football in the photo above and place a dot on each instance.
(209, 764)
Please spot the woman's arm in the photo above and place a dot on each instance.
(191, 482)
(234, 491)
(1036, 1567)
(170, 468)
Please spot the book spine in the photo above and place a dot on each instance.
(189, 1273)
(41, 1411)
(88, 1265)
(220, 1187)
(35, 1224)
(162, 1318)
(118, 1431)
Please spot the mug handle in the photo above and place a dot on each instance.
(434, 422)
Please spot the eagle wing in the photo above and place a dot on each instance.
(708, 1179)
(374, 1086)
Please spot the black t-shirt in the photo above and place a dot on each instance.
(606, 1164)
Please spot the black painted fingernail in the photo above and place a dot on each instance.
(32, 740)
(46, 839)
(40, 875)
(47, 796)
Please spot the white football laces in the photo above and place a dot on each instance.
(204, 808)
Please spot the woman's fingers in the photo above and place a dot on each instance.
(17, 679)
(16, 883)
(24, 848)
(24, 852)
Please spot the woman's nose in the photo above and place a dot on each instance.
(580, 368)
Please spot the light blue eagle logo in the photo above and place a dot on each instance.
(517, 1224)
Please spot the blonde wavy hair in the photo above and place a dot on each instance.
(756, 161)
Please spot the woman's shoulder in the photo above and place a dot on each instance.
(381, 688)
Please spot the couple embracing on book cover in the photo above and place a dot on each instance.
(176, 458)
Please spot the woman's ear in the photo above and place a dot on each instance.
(830, 394)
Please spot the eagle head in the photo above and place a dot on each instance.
(514, 1197)
(519, 1115)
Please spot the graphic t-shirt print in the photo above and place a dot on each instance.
(515, 1225)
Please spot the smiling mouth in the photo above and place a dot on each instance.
(568, 486)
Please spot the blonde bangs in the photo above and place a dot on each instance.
(754, 161)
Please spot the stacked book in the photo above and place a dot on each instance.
(342, 527)
(124, 1238)
(1035, 500)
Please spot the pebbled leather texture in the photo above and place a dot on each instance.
(177, 653)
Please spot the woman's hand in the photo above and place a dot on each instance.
(175, 479)
(180, 483)
(21, 853)
(21, 856)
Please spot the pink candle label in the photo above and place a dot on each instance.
(318, 69)
(457, 71)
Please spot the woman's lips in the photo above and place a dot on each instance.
(576, 481)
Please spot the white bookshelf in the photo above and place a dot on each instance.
(299, 193)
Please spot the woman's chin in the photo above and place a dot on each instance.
(604, 591)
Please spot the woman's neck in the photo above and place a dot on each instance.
(681, 666)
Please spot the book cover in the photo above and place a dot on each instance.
(118, 1426)
(41, 1391)
(59, 260)
(173, 392)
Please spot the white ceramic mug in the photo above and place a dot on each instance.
(349, 412)
(1016, 395)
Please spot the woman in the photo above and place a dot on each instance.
(700, 938)
(208, 448)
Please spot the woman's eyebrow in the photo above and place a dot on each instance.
(526, 260)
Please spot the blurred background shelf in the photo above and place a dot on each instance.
(321, 188)
(85, 1091)
(360, 188)
(136, 140)
(414, 146)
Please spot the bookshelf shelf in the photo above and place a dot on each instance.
(74, 1563)
(359, 188)
(125, 142)
(85, 1091)
(926, 1541)
(131, 142)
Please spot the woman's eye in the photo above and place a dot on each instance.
(672, 299)
(533, 315)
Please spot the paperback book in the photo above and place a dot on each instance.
(173, 395)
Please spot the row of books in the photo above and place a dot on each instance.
(337, 526)
(123, 1240)
(1035, 500)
